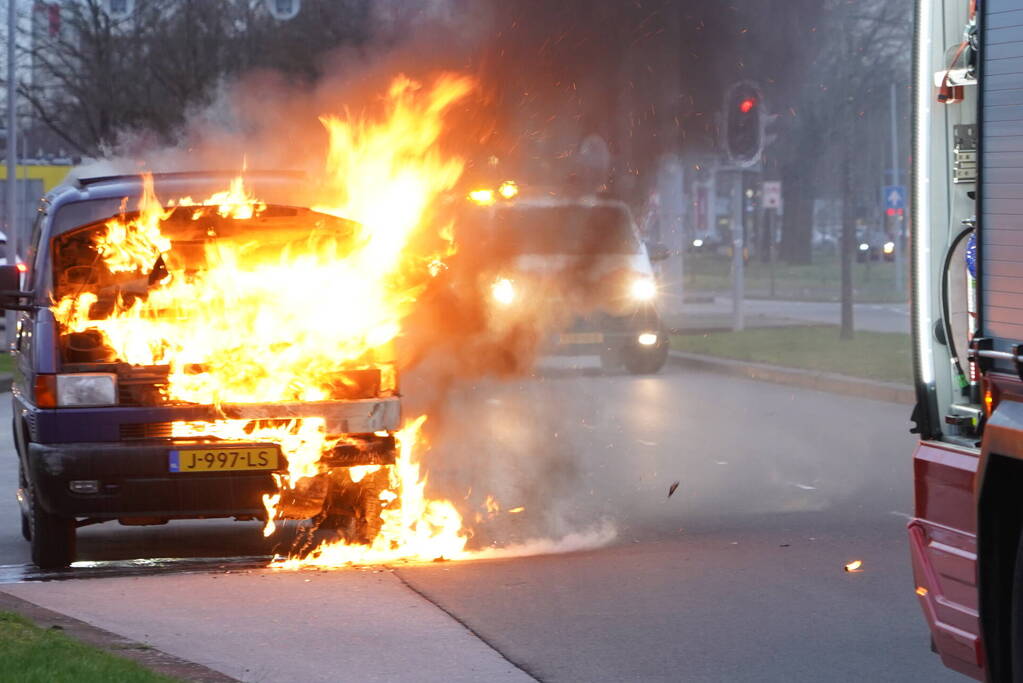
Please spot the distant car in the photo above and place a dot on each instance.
(874, 245)
(580, 262)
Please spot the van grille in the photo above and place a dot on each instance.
(146, 430)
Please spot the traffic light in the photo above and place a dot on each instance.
(744, 124)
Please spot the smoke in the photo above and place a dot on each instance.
(517, 456)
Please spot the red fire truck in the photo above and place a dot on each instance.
(966, 537)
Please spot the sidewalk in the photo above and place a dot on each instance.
(262, 625)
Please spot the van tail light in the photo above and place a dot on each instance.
(46, 391)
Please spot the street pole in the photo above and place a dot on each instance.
(899, 250)
(848, 246)
(711, 216)
(738, 228)
(12, 136)
(769, 225)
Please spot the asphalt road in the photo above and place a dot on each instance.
(738, 576)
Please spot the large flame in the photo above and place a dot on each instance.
(260, 326)
(417, 529)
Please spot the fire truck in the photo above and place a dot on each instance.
(966, 535)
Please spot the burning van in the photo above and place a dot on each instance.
(164, 366)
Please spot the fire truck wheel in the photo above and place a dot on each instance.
(647, 361)
(1016, 625)
(52, 537)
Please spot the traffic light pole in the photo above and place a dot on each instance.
(900, 249)
(738, 248)
(12, 135)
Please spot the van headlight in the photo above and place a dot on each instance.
(643, 288)
(87, 389)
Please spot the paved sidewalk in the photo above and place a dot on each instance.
(266, 625)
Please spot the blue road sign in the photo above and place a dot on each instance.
(893, 196)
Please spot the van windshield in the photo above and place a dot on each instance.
(79, 266)
(571, 230)
(126, 289)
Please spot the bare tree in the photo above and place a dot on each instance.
(95, 78)
(828, 67)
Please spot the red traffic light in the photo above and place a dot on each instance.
(746, 106)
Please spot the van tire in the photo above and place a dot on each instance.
(26, 524)
(647, 361)
(52, 537)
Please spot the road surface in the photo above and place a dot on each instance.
(738, 576)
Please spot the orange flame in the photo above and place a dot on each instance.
(256, 325)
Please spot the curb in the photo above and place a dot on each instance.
(6, 379)
(111, 643)
(806, 379)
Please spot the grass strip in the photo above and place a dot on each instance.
(879, 356)
(30, 654)
(818, 281)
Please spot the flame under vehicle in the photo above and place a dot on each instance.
(107, 429)
(579, 265)
(966, 534)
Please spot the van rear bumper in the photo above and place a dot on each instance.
(135, 481)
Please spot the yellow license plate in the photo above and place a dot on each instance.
(218, 459)
(581, 338)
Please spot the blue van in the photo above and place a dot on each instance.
(95, 435)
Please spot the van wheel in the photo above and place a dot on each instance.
(355, 509)
(52, 537)
(26, 525)
(646, 361)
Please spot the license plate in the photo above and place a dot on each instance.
(581, 338)
(223, 459)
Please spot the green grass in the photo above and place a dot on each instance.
(819, 281)
(6, 363)
(30, 654)
(869, 355)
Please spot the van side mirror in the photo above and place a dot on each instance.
(10, 289)
(657, 251)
